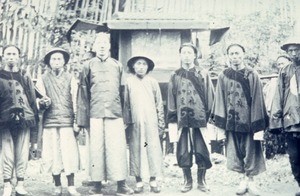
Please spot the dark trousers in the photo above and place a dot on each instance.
(293, 150)
(192, 142)
(244, 155)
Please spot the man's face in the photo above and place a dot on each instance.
(57, 60)
(235, 55)
(282, 62)
(102, 47)
(294, 52)
(187, 55)
(140, 67)
(11, 56)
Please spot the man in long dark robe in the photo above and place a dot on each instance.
(190, 96)
(239, 110)
(285, 110)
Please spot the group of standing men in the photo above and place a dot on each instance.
(236, 107)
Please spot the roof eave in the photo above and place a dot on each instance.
(157, 25)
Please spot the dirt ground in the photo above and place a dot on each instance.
(277, 180)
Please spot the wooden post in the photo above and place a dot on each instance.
(109, 11)
(97, 10)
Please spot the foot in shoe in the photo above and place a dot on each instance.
(72, 191)
(58, 191)
(87, 183)
(124, 190)
(95, 191)
(154, 187)
(187, 186)
(20, 190)
(252, 188)
(139, 187)
(243, 187)
(203, 187)
(7, 189)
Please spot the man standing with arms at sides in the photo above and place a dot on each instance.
(99, 108)
(190, 97)
(239, 111)
(18, 115)
(285, 110)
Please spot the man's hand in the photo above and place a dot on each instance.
(77, 129)
(161, 132)
(44, 103)
(33, 151)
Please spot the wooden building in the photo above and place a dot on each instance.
(36, 25)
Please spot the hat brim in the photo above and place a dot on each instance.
(285, 46)
(63, 52)
(132, 60)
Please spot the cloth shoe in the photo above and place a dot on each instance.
(72, 191)
(7, 189)
(188, 180)
(139, 187)
(96, 188)
(20, 190)
(87, 183)
(243, 187)
(124, 189)
(57, 191)
(95, 191)
(154, 187)
(252, 188)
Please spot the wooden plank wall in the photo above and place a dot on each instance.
(33, 43)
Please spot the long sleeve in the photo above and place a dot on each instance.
(126, 108)
(83, 99)
(218, 112)
(276, 114)
(32, 101)
(40, 86)
(172, 107)
(259, 116)
(74, 89)
(159, 108)
(210, 93)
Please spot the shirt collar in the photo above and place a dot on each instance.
(59, 72)
(188, 68)
(102, 60)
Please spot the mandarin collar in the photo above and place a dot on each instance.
(103, 60)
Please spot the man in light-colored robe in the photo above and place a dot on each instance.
(143, 110)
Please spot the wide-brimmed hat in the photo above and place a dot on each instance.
(290, 41)
(54, 50)
(133, 59)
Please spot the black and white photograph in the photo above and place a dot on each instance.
(150, 97)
